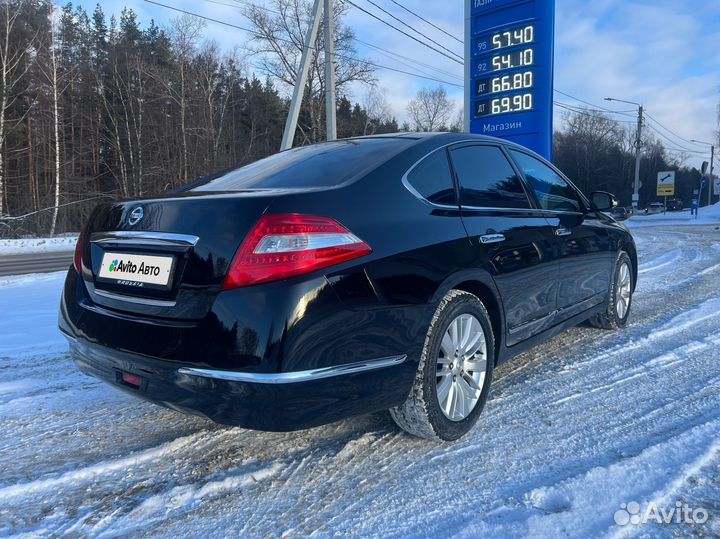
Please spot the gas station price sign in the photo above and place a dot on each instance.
(509, 70)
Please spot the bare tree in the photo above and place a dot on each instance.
(378, 109)
(431, 109)
(279, 43)
(593, 134)
(186, 32)
(216, 74)
(55, 83)
(15, 61)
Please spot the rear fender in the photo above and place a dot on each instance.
(480, 283)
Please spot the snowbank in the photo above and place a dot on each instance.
(710, 215)
(38, 245)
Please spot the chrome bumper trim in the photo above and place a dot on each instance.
(296, 376)
(133, 299)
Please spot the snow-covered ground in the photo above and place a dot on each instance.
(38, 245)
(575, 428)
(709, 215)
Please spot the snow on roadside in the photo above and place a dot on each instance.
(38, 245)
(30, 319)
(709, 215)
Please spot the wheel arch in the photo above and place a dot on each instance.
(629, 247)
(480, 284)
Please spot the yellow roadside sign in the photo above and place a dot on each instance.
(666, 183)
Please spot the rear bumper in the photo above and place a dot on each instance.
(278, 357)
(281, 402)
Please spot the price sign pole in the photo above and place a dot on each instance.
(509, 48)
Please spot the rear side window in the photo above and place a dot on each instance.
(552, 191)
(432, 179)
(487, 179)
(317, 166)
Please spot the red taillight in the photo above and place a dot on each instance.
(283, 246)
(77, 260)
(131, 379)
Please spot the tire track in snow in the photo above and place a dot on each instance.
(183, 499)
(95, 471)
(659, 262)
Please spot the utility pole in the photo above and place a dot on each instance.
(712, 162)
(330, 108)
(301, 80)
(638, 146)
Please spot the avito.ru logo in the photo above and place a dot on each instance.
(632, 513)
(129, 267)
(125, 267)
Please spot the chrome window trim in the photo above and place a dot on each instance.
(143, 237)
(481, 142)
(530, 210)
(296, 376)
(132, 299)
(494, 208)
(414, 191)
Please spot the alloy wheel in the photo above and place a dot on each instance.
(461, 367)
(622, 291)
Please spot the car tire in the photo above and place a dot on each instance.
(620, 300)
(453, 379)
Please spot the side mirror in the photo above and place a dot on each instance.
(602, 201)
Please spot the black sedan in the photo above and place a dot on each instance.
(376, 273)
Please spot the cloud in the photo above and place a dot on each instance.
(658, 53)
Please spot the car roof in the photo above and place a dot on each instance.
(440, 135)
(443, 138)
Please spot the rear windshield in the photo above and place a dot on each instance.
(318, 166)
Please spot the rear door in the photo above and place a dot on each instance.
(511, 240)
(582, 243)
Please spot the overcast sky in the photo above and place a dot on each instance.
(662, 53)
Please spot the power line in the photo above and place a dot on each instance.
(627, 113)
(597, 107)
(587, 112)
(665, 146)
(670, 131)
(402, 32)
(409, 59)
(677, 147)
(428, 22)
(250, 4)
(239, 3)
(577, 110)
(371, 45)
(254, 32)
(413, 28)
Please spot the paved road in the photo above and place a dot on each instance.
(35, 262)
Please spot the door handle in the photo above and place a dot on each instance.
(491, 238)
(563, 231)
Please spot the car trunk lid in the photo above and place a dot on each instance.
(167, 256)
